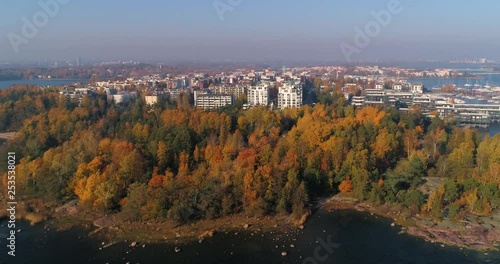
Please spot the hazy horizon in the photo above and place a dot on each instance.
(255, 31)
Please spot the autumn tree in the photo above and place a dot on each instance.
(346, 185)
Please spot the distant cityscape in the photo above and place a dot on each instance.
(81, 62)
(471, 105)
(474, 61)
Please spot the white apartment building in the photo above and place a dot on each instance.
(417, 88)
(358, 101)
(397, 87)
(379, 86)
(258, 95)
(290, 96)
(209, 101)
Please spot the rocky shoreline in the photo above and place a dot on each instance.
(113, 230)
(473, 233)
(477, 233)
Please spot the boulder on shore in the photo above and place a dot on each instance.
(105, 221)
(70, 208)
(208, 233)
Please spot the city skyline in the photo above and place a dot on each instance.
(253, 31)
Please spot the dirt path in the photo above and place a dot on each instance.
(7, 135)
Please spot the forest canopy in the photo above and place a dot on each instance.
(178, 163)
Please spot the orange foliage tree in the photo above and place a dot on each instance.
(346, 185)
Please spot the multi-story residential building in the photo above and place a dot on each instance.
(290, 96)
(444, 108)
(175, 93)
(358, 101)
(122, 98)
(207, 101)
(425, 103)
(75, 94)
(417, 88)
(478, 115)
(400, 99)
(379, 86)
(258, 95)
(236, 91)
(375, 97)
(397, 87)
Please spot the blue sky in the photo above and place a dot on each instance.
(254, 30)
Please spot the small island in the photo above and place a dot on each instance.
(140, 171)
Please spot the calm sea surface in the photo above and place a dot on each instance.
(341, 237)
(485, 79)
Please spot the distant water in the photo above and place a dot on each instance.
(44, 82)
(351, 238)
(443, 65)
(485, 79)
(494, 129)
